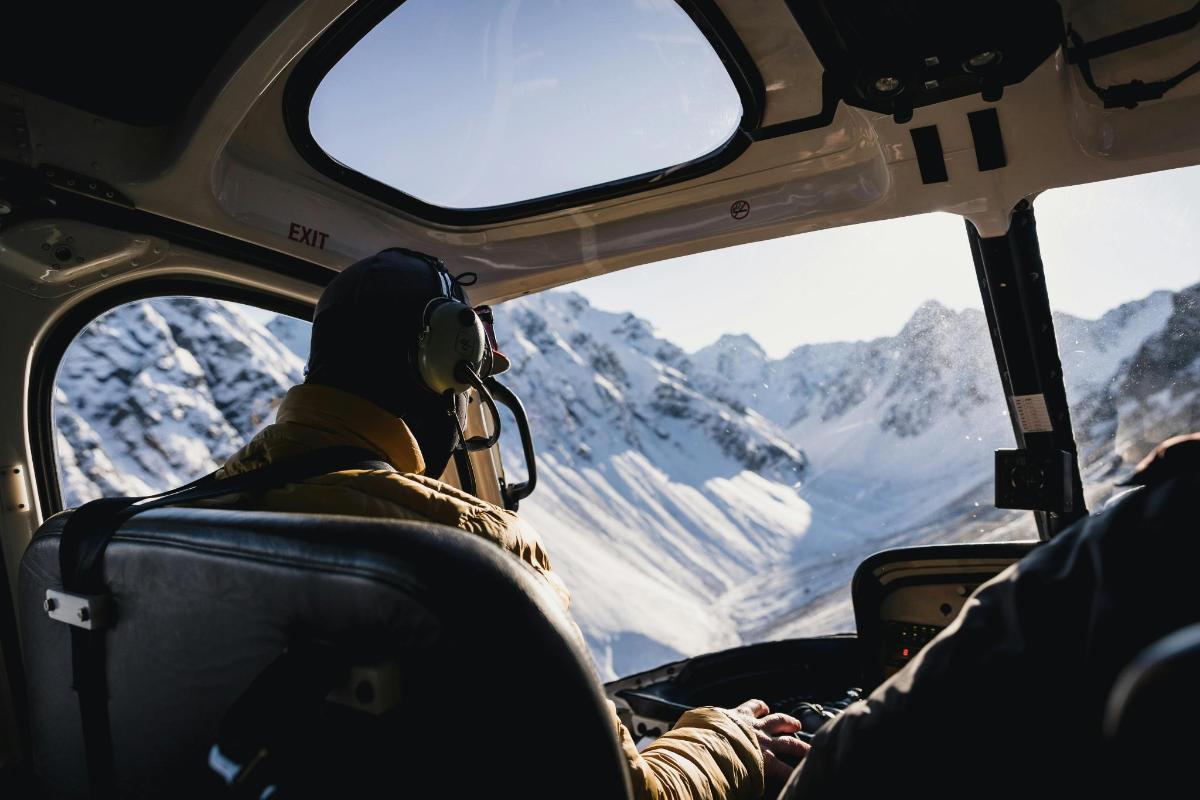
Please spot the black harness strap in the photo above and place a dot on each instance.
(86, 535)
(268, 724)
(87, 645)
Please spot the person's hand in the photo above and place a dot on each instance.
(781, 751)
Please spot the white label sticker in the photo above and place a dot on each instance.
(1032, 413)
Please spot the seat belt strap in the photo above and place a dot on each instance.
(273, 715)
(84, 604)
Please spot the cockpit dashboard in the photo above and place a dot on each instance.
(902, 599)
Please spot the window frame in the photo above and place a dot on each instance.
(361, 18)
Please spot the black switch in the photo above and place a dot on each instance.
(930, 158)
(989, 144)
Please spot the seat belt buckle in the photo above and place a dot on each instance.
(241, 775)
(88, 611)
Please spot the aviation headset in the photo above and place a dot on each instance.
(452, 353)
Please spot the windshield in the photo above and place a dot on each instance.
(1123, 269)
(724, 437)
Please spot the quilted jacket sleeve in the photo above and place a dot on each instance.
(708, 755)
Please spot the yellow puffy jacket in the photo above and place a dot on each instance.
(708, 755)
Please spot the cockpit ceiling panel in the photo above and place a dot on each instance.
(139, 63)
(790, 70)
(893, 57)
(234, 169)
(1150, 61)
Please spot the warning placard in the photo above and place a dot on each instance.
(1031, 413)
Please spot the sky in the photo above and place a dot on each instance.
(497, 101)
(1102, 244)
(527, 102)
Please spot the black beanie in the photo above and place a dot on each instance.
(364, 336)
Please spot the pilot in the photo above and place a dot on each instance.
(362, 390)
(1009, 699)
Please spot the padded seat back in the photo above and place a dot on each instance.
(497, 693)
(1151, 711)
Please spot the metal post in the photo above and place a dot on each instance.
(1013, 286)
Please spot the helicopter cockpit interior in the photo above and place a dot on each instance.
(245, 153)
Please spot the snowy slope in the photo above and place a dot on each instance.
(900, 433)
(690, 501)
(158, 392)
(1153, 394)
(681, 495)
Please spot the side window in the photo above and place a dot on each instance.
(1122, 274)
(156, 393)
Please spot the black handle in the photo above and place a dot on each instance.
(515, 493)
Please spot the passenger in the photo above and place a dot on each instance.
(1009, 699)
(362, 390)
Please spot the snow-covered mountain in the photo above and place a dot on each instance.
(656, 498)
(156, 393)
(1155, 391)
(690, 501)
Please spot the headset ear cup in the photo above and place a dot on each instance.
(452, 335)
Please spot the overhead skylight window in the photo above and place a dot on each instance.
(469, 104)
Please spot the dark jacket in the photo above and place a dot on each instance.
(1009, 699)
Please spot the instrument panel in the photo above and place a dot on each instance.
(902, 599)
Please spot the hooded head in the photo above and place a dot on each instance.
(364, 336)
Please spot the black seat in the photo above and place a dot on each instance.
(1152, 711)
(497, 695)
